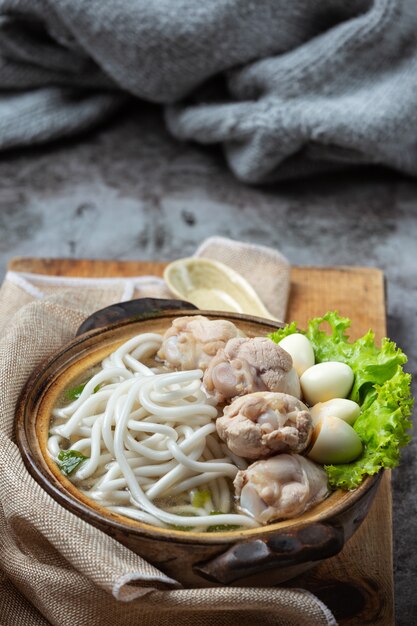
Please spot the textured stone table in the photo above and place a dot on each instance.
(129, 191)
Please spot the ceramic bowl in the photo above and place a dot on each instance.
(260, 556)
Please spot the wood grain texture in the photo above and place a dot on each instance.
(354, 292)
(357, 584)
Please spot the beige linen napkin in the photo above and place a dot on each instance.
(56, 568)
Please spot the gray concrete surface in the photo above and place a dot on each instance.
(129, 191)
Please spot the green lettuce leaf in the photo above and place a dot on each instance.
(381, 388)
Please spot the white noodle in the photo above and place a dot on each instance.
(54, 442)
(149, 435)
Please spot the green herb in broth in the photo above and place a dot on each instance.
(220, 527)
(210, 529)
(184, 528)
(75, 392)
(201, 498)
(69, 461)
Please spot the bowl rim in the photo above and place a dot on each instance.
(63, 491)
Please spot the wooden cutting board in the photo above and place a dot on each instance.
(357, 585)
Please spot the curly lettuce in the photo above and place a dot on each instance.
(381, 388)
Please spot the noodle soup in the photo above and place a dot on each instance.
(167, 422)
(180, 551)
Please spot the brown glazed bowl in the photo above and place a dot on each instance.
(261, 556)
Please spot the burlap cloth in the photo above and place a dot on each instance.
(56, 568)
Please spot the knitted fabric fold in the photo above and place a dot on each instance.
(287, 88)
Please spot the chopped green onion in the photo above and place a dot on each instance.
(201, 498)
(75, 392)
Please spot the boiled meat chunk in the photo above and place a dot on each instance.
(264, 423)
(248, 365)
(191, 342)
(281, 487)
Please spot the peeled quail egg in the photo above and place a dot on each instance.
(292, 386)
(342, 408)
(334, 442)
(325, 381)
(301, 351)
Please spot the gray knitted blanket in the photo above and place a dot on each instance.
(287, 87)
